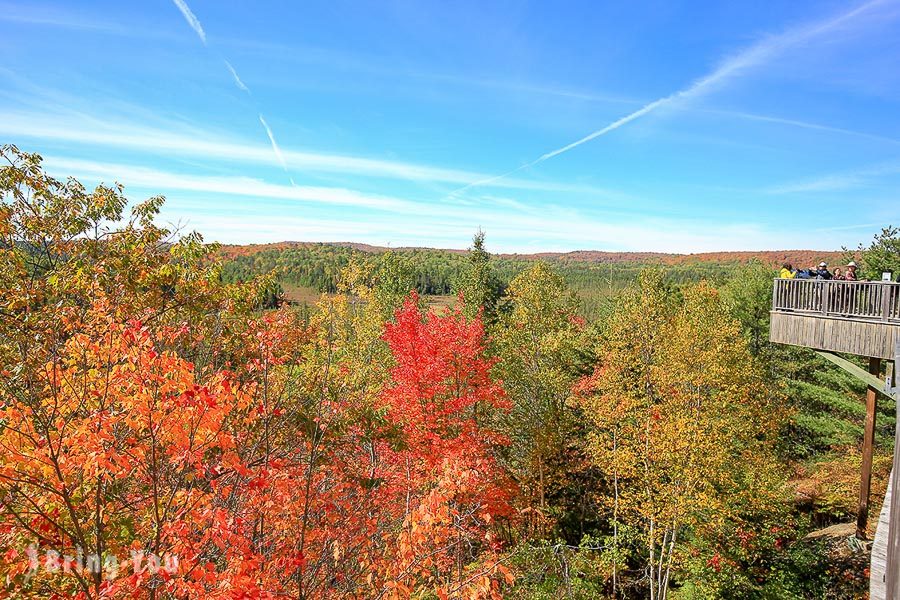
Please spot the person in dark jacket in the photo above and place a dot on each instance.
(822, 272)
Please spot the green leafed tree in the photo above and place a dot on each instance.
(748, 296)
(541, 344)
(882, 255)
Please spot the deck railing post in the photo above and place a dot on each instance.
(885, 301)
(826, 294)
(777, 294)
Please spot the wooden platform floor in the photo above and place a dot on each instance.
(879, 550)
(835, 334)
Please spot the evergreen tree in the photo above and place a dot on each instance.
(479, 285)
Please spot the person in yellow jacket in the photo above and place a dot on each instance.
(787, 271)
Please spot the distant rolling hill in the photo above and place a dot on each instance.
(305, 269)
(798, 258)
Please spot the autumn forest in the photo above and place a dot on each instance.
(183, 420)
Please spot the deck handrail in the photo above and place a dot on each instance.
(877, 301)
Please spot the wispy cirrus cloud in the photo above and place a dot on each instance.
(68, 128)
(841, 181)
(405, 221)
(800, 124)
(504, 235)
(56, 18)
(230, 186)
(755, 56)
(73, 128)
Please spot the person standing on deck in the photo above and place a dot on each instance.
(850, 275)
(787, 271)
(822, 272)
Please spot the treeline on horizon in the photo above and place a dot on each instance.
(318, 267)
(157, 401)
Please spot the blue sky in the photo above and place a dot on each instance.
(660, 125)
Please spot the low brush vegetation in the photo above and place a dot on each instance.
(320, 421)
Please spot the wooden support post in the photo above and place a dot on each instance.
(865, 482)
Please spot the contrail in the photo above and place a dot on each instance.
(237, 80)
(803, 125)
(751, 57)
(194, 22)
(611, 127)
(275, 147)
(191, 19)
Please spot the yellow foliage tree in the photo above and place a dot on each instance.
(680, 422)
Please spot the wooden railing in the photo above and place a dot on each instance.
(858, 300)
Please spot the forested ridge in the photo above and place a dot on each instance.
(170, 427)
(302, 268)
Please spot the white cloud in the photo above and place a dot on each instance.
(800, 124)
(834, 182)
(82, 130)
(56, 18)
(232, 186)
(397, 220)
(504, 234)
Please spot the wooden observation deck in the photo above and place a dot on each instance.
(862, 318)
(856, 317)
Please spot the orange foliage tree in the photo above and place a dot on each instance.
(444, 476)
(161, 437)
